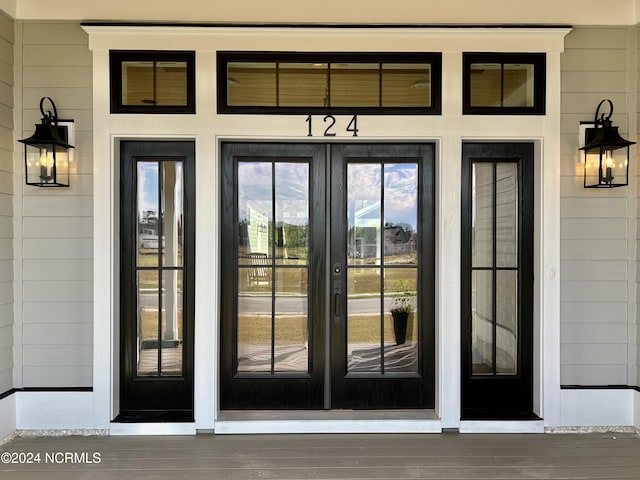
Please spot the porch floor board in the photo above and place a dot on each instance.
(369, 456)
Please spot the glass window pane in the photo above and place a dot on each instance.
(482, 322)
(304, 85)
(171, 83)
(148, 320)
(292, 213)
(507, 214)
(291, 321)
(137, 83)
(148, 208)
(401, 312)
(172, 327)
(251, 84)
(482, 215)
(364, 192)
(254, 208)
(518, 85)
(254, 321)
(355, 85)
(172, 213)
(364, 320)
(400, 213)
(406, 85)
(486, 84)
(507, 322)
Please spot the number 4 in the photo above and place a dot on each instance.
(353, 126)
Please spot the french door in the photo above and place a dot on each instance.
(327, 276)
(497, 281)
(157, 240)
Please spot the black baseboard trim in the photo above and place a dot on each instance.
(600, 387)
(11, 391)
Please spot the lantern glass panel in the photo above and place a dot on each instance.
(605, 167)
(46, 165)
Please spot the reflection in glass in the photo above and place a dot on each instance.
(251, 84)
(291, 336)
(506, 214)
(148, 207)
(482, 322)
(506, 321)
(518, 85)
(171, 213)
(400, 213)
(364, 192)
(254, 208)
(355, 84)
(292, 212)
(401, 314)
(148, 284)
(304, 84)
(171, 322)
(154, 83)
(364, 320)
(254, 322)
(482, 214)
(406, 85)
(486, 85)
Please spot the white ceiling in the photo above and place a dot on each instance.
(567, 12)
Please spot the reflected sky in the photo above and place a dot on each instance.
(148, 187)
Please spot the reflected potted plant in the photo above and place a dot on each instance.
(402, 310)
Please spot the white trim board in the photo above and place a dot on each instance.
(327, 426)
(502, 426)
(54, 410)
(598, 407)
(152, 428)
(7, 416)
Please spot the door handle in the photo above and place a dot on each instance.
(337, 291)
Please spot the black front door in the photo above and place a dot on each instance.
(327, 276)
(497, 281)
(157, 240)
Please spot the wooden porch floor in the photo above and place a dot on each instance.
(444, 456)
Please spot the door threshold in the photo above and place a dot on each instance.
(327, 421)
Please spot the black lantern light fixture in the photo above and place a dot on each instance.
(606, 153)
(47, 152)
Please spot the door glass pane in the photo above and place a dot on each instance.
(482, 215)
(292, 213)
(506, 214)
(291, 352)
(518, 85)
(482, 322)
(406, 85)
(254, 208)
(364, 197)
(364, 320)
(147, 209)
(172, 214)
(148, 285)
(401, 314)
(400, 213)
(486, 85)
(172, 294)
(254, 319)
(506, 320)
(304, 84)
(251, 84)
(355, 84)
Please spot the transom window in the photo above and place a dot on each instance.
(329, 82)
(504, 83)
(152, 81)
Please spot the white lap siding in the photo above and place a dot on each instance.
(57, 225)
(6, 203)
(597, 247)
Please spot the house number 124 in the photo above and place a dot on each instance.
(329, 125)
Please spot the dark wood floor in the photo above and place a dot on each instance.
(445, 456)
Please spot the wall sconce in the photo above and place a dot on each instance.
(47, 152)
(606, 153)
